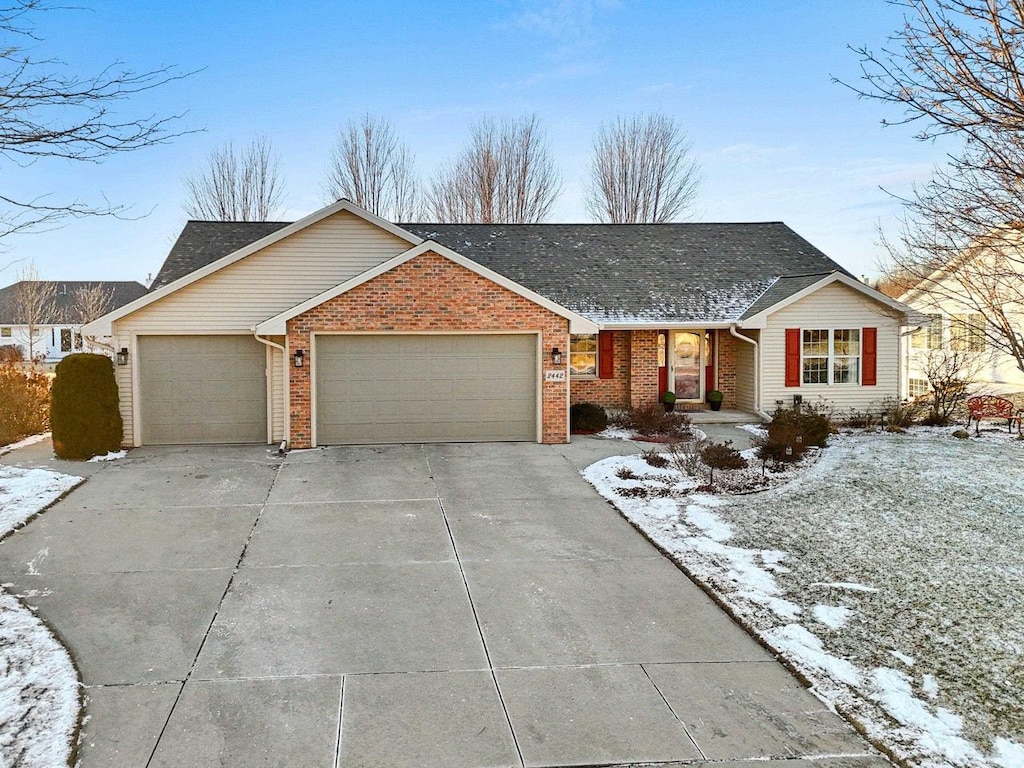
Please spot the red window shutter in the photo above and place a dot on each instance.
(869, 356)
(605, 355)
(793, 357)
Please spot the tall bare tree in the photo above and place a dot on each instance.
(373, 169)
(642, 171)
(506, 174)
(955, 69)
(89, 302)
(236, 185)
(47, 113)
(34, 306)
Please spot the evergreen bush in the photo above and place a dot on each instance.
(84, 415)
(587, 417)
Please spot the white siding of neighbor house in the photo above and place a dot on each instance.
(746, 396)
(834, 306)
(998, 373)
(256, 288)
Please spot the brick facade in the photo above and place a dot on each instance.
(610, 393)
(429, 294)
(635, 382)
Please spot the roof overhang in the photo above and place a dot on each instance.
(656, 325)
(102, 326)
(760, 320)
(278, 324)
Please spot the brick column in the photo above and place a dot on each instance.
(726, 344)
(643, 368)
(299, 397)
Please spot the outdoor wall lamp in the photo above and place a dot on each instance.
(122, 356)
(300, 358)
(556, 356)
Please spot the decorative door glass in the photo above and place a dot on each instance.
(686, 364)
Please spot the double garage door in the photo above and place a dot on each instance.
(425, 388)
(368, 389)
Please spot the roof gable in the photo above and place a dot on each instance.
(277, 325)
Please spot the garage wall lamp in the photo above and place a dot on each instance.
(556, 356)
(300, 358)
(122, 356)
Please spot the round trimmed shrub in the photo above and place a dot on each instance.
(84, 415)
(587, 417)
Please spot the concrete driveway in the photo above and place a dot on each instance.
(439, 605)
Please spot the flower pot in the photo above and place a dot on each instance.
(716, 405)
(669, 407)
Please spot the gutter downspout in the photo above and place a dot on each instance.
(757, 371)
(284, 354)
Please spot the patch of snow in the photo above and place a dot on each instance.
(908, 660)
(847, 585)
(938, 730)
(23, 443)
(707, 521)
(760, 430)
(39, 688)
(112, 456)
(799, 644)
(23, 492)
(832, 616)
(1008, 754)
(930, 686)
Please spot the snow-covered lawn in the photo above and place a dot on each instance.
(39, 686)
(890, 572)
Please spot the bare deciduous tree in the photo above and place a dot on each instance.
(47, 113)
(950, 372)
(956, 69)
(642, 171)
(89, 302)
(373, 169)
(243, 185)
(505, 175)
(34, 305)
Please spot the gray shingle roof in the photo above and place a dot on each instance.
(64, 309)
(782, 289)
(672, 273)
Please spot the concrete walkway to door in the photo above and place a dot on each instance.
(439, 605)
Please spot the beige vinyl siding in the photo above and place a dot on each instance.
(256, 288)
(746, 377)
(123, 376)
(272, 280)
(278, 403)
(834, 306)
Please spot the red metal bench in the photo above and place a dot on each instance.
(992, 407)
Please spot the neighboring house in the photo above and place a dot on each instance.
(58, 330)
(956, 324)
(345, 328)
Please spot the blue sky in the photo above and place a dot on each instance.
(749, 81)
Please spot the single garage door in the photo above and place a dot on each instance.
(202, 389)
(393, 389)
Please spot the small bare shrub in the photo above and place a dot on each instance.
(625, 473)
(685, 457)
(898, 415)
(655, 459)
(11, 353)
(858, 419)
(790, 433)
(653, 421)
(720, 456)
(24, 402)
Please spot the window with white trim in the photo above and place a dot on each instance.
(583, 355)
(917, 387)
(967, 332)
(928, 336)
(831, 356)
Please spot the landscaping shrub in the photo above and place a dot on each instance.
(655, 459)
(791, 432)
(84, 414)
(587, 417)
(720, 456)
(24, 402)
(652, 420)
(11, 353)
(899, 415)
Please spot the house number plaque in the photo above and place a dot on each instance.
(554, 375)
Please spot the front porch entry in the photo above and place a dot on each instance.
(686, 365)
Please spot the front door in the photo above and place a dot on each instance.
(687, 365)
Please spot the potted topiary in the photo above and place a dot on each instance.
(668, 399)
(715, 398)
